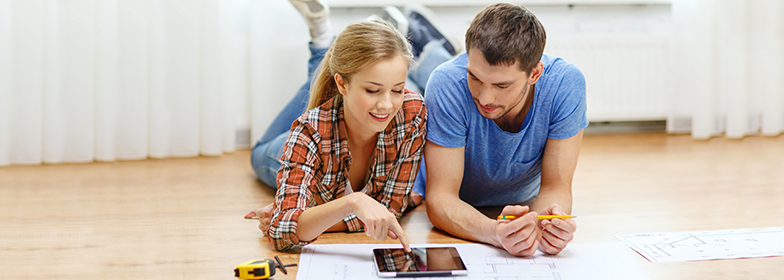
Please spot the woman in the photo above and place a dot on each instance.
(350, 161)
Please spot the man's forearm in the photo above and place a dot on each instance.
(549, 195)
(558, 165)
(451, 214)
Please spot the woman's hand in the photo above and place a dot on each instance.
(265, 217)
(379, 222)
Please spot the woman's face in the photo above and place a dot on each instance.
(373, 95)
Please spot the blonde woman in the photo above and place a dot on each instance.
(350, 161)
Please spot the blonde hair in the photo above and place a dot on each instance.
(358, 46)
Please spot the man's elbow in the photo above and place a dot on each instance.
(435, 217)
(436, 209)
(431, 205)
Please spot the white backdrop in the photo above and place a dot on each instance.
(85, 80)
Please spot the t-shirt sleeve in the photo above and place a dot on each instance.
(569, 109)
(444, 97)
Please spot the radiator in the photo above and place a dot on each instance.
(626, 76)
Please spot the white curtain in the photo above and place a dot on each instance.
(728, 65)
(85, 80)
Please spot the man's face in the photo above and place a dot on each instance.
(497, 90)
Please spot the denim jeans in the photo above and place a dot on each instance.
(433, 55)
(265, 157)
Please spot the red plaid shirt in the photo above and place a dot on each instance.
(316, 161)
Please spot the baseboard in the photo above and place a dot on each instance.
(626, 127)
(242, 139)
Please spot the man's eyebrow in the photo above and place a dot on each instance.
(472, 74)
(504, 83)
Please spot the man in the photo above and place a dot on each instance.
(506, 124)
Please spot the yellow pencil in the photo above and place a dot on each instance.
(540, 217)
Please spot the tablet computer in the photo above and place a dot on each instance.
(421, 262)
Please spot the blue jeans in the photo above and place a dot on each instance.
(433, 55)
(265, 157)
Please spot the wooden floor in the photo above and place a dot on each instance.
(183, 218)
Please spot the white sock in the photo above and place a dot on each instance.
(320, 32)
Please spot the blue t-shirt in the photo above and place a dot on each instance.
(500, 167)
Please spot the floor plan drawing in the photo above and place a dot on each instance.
(707, 245)
(510, 267)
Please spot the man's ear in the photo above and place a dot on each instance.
(536, 73)
(341, 83)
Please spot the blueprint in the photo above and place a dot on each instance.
(611, 260)
(707, 245)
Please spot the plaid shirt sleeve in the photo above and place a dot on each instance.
(300, 160)
(399, 163)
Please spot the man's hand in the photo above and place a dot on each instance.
(555, 233)
(519, 237)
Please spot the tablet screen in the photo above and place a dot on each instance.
(444, 259)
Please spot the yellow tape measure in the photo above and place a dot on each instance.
(259, 269)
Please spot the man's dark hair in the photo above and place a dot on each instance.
(507, 33)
